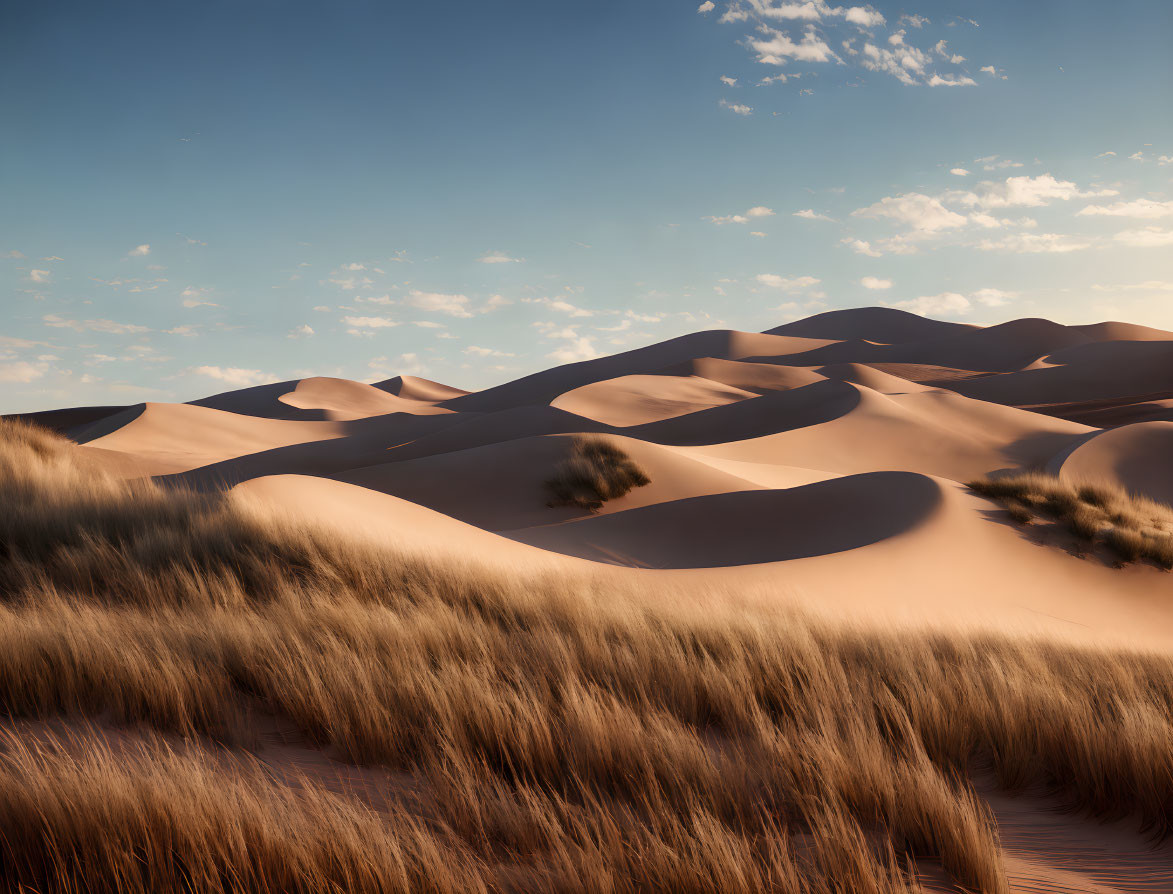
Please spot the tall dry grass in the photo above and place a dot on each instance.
(1133, 527)
(558, 735)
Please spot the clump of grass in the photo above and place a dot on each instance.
(1135, 528)
(596, 471)
(1020, 512)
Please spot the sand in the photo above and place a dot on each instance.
(822, 463)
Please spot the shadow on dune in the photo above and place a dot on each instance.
(749, 527)
(72, 421)
(770, 414)
(364, 442)
(107, 424)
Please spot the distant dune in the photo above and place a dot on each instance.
(368, 587)
(772, 455)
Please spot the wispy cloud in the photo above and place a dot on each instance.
(139, 251)
(498, 257)
(107, 326)
(1148, 237)
(439, 302)
(233, 375)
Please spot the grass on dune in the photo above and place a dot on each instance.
(1135, 528)
(559, 734)
(595, 471)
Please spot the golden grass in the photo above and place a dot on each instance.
(1135, 528)
(596, 471)
(557, 735)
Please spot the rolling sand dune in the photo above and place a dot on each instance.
(415, 388)
(822, 464)
(1138, 457)
(632, 400)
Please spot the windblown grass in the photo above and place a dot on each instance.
(596, 471)
(558, 735)
(1135, 528)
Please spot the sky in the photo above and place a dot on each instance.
(196, 197)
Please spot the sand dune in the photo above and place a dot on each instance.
(632, 400)
(749, 527)
(415, 388)
(797, 449)
(1139, 457)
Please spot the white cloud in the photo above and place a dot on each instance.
(1163, 160)
(350, 283)
(757, 211)
(140, 251)
(1151, 285)
(707, 6)
(107, 326)
(1142, 208)
(495, 302)
(21, 371)
(186, 330)
(990, 70)
(736, 107)
(1108, 154)
(811, 24)
(1148, 237)
(561, 306)
(301, 331)
(452, 305)
(936, 305)
(864, 16)
(1026, 191)
(951, 81)
(993, 297)
(234, 376)
(774, 281)
(922, 214)
(776, 48)
(578, 349)
(811, 214)
(358, 324)
(1035, 243)
(13, 254)
(193, 297)
(959, 172)
(728, 81)
(757, 233)
(476, 351)
(1138, 155)
(874, 282)
(39, 276)
(498, 257)
(862, 247)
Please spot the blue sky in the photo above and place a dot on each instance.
(195, 197)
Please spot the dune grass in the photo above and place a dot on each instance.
(556, 734)
(596, 471)
(1133, 527)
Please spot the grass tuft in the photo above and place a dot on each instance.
(596, 471)
(1135, 528)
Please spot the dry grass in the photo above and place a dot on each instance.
(596, 471)
(558, 735)
(1135, 528)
